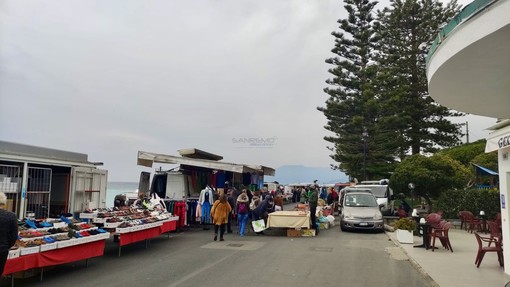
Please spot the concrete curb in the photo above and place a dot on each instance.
(414, 263)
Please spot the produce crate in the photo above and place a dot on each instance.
(308, 232)
(293, 232)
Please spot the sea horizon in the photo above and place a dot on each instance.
(118, 187)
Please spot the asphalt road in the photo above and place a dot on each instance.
(192, 258)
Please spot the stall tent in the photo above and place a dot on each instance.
(42, 182)
(180, 183)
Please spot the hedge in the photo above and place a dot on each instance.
(474, 200)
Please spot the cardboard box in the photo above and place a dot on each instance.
(293, 233)
(48, 246)
(9, 206)
(324, 225)
(59, 225)
(123, 230)
(85, 215)
(98, 220)
(28, 273)
(308, 232)
(111, 224)
(13, 254)
(29, 250)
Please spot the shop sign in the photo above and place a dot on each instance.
(497, 143)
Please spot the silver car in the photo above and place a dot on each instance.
(360, 211)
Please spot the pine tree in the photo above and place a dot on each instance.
(406, 29)
(351, 110)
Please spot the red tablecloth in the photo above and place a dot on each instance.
(168, 226)
(131, 237)
(55, 257)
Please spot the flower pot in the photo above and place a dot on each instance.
(405, 236)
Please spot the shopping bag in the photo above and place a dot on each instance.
(258, 225)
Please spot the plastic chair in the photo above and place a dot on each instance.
(498, 219)
(463, 220)
(495, 232)
(401, 213)
(433, 219)
(484, 249)
(473, 222)
(442, 234)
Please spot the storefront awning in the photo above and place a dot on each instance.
(484, 170)
(148, 159)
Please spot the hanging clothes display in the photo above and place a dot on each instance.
(206, 201)
(220, 179)
(191, 210)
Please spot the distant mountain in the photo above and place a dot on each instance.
(288, 174)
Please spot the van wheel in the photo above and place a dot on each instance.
(342, 227)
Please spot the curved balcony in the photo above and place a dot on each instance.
(468, 66)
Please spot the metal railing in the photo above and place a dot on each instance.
(465, 14)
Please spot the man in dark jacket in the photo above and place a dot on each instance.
(232, 201)
(312, 201)
(8, 231)
(261, 211)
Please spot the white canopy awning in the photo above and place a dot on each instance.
(148, 159)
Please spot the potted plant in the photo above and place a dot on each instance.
(405, 227)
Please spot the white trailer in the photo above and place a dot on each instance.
(42, 182)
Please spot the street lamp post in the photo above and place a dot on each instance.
(364, 135)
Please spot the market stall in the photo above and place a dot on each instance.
(289, 219)
(53, 242)
(130, 225)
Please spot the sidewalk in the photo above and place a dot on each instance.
(449, 269)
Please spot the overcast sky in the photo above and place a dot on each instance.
(110, 78)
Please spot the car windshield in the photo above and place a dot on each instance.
(377, 190)
(360, 200)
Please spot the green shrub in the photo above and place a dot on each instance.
(405, 223)
(474, 200)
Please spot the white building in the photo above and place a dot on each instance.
(468, 70)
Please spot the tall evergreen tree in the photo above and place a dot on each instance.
(406, 30)
(351, 110)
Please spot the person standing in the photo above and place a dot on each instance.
(312, 201)
(242, 211)
(8, 231)
(330, 199)
(232, 202)
(278, 203)
(303, 195)
(261, 211)
(219, 214)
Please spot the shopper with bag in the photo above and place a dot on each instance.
(242, 210)
(219, 213)
(260, 212)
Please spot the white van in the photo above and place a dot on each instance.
(380, 190)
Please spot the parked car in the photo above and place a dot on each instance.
(360, 211)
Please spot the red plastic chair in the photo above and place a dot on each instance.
(433, 219)
(495, 232)
(484, 249)
(473, 222)
(498, 219)
(442, 234)
(463, 222)
(401, 213)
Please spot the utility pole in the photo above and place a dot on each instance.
(467, 132)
